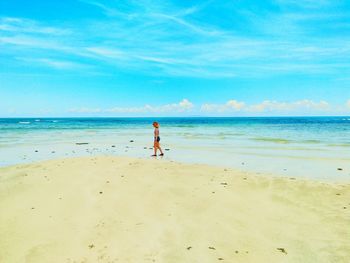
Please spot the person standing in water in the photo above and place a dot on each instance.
(157, 139)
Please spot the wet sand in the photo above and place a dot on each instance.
(114, 209)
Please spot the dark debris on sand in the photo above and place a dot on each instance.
(281, 249)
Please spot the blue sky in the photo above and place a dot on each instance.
(174, 58)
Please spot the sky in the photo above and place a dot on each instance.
(174, 58)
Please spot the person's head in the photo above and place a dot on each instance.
(155, 124)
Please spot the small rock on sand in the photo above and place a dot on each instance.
(340, 169)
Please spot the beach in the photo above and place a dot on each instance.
(303, 147)
(123, 209)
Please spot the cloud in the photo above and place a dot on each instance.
(305, 3)
(23, 25)
(183, 106)
(54, 63)
(86, 110)
(231, 105)
(104, 52)
(267, 106)
(272, 106)
(162, 38)
(348, 104)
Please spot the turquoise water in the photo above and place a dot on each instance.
(312, 147)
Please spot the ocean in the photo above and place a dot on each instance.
(304, 147)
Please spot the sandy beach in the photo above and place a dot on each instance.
(118, 209)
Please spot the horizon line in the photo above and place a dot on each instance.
(144, 117)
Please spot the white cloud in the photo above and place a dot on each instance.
(306, 3)
(231, 105)
(147, 44)
(272, 106)
(22, 25)
(348, 104)
(53, 63)
(183, 106)
(85, 110)
(268, 106)
(106, 52)
(239, 108)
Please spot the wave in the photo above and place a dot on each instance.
(24, 122)
(311, 141)
(274, 140)
(339, 145)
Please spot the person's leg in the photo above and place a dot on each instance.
(160, 149)
(155, 147)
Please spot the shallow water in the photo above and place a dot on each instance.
(300, 147)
